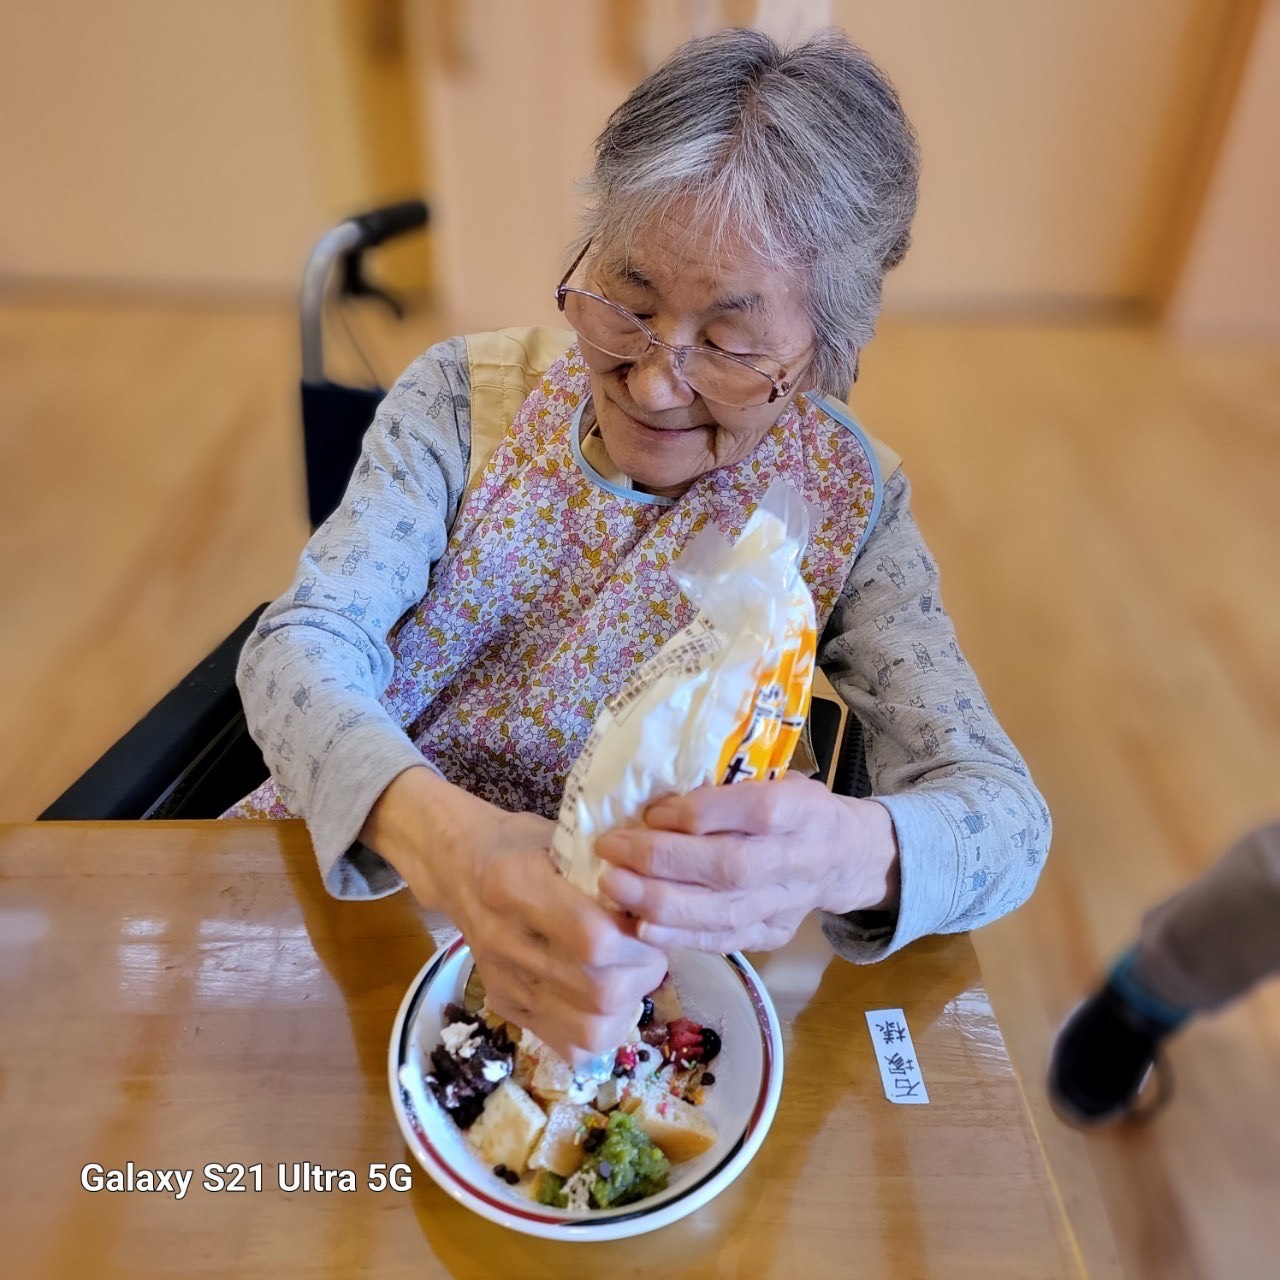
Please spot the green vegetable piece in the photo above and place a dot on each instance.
(548, 1188)
(635, 1166)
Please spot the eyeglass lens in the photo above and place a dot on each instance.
(710, 373)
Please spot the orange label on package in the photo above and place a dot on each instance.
(763, 742)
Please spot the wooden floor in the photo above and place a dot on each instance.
(1105, 507)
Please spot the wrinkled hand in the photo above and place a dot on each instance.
(728, 868)
(552, 959)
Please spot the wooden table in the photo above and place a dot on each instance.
(180, 994)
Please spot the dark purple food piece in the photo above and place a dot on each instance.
(460, 1084)
(710, 1044)
(646, 1013)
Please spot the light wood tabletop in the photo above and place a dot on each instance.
(177, 995)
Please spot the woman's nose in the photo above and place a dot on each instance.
(654, 381)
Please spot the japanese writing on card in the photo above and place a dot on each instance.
(899, 1068)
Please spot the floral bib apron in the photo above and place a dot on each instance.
(555, 585)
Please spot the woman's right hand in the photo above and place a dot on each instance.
(552, 959)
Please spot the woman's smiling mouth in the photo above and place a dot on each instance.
(646, 427)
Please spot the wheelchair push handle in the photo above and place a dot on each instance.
(393, 220)
(346, 243)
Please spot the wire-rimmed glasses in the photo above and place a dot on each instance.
(716, 375)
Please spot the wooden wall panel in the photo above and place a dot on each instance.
(1055, 140)
(150, 143)
(1055, 137)
(1230, 282)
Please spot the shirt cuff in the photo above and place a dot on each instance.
(362, 764)
(929, 878)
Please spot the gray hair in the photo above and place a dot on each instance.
(804, 152)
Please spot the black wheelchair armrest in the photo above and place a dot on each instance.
(835, 735)
(852, 777)
(190, 756)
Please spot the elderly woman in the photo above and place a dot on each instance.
(499, 564)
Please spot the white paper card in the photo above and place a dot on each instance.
(899, 1069)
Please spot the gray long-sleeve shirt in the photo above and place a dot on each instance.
(972, 830)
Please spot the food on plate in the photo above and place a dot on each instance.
(472, 1060)
(620, 1164)
(560, 1150)
(508, 1127)
(677, 1127)
(567, 1139)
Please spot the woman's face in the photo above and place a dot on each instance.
(655, 427)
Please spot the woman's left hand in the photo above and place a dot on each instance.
(729, 868)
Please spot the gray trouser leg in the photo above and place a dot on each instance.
(1221, 934)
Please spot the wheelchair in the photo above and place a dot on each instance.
(191, 756)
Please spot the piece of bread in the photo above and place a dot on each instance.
(666, 1002)
(552, 1077)
(680, 1129)
(508, 1127)
(560, 1148)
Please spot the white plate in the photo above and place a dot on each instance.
(723, 992)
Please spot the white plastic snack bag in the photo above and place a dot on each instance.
(723, 701)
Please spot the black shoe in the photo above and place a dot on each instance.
(1102, 1059)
